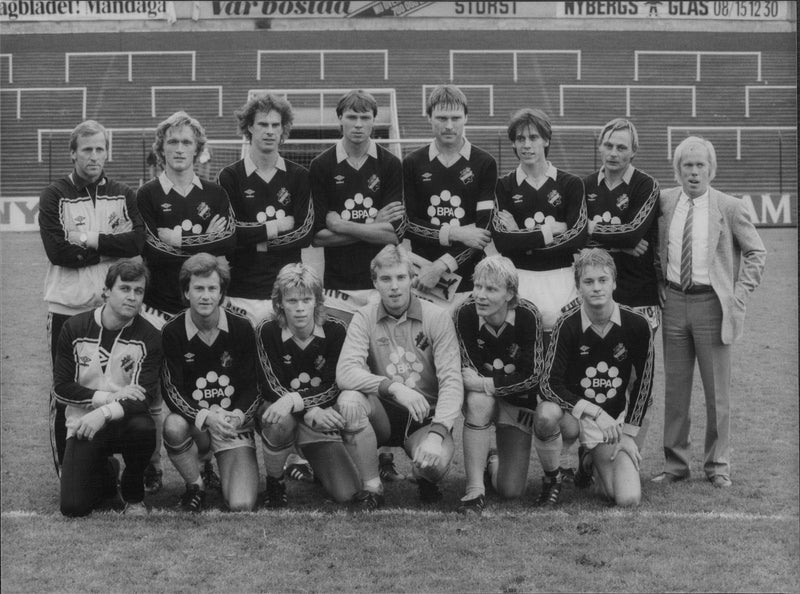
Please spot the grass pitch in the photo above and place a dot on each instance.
(684, 537)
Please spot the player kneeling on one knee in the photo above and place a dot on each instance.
(210, 383)
(298, 351)
(599, 371)
(400, 376)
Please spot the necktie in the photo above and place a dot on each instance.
(686, 250)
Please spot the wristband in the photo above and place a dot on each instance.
(106, 413)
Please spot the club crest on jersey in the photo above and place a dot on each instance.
(113, 220)
(421, 341)
(339, 179)
(249, 194)
(426, 177)
(601, 382)
(554, 198)
(591, 197)
(284, 197)
(79, 221)
(374, 183)
(126, 363)
(517, 199)
(584, 350)
(466, 176)
(513, 351)
(319, 362)
(445, 208)
(404, 367)
(225, 359)
(620, 352)
(203, 211)
(359, 208)
(213, 388)
(166, 207)
(622, 202)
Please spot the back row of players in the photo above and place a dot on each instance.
(402, 379)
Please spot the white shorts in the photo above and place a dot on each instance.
(254, 310)
(244, 439)
(549, 290)
(306, 435)
(591, 436)
(515, 416)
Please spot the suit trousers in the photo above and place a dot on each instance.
(692, 332)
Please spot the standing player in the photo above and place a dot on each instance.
(358, 198)
(106, 374)
(210, 383)
(622, 206)
(182, 216)
(598, 377)
(449, 191)
(541, 218)
(271, 200)
(500, 336)
(400, 376)
(299, 350)
(87, 222)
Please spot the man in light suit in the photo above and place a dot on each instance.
(711, 260)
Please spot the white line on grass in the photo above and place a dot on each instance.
(612, 513)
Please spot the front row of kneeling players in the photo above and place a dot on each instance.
(399, 375)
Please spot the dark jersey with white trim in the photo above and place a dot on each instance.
(624, 216)
(257, 260)
(192, 214)
(461, 194)
(310, 371)
(356, 195)
(583, 365)
(561, 198)
(199, 376)
(511, 356)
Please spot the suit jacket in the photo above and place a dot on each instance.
(736, 254)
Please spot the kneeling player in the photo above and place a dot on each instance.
(598, 350)
(210, 383)
(500, 336)
(400, 375)
(299, 350)
(106, 373)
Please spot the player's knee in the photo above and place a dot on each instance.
(354, 408)
(72, 507)
(176, 429)
(479, 409)
(241, 502)
(510, 489)
(627, 499)
(546, 420)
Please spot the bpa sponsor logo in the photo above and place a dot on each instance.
(445, 208)
(359, 208)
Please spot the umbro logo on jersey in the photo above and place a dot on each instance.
(466, 176)
(84, 361)
(189, 357)
(591, 197)
(481, 343)
(382, 341)
(374, 183)
(287, 359)
(426, 177)
(249, 194)
(339, 179)
(516, 198)
(585, 350)
(203, 211)
(80, 220)
(166, 207)
(622, 202)
(554, 198)
(284, 197)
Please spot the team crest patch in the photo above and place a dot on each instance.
(339, 179)
(79, 221)
(203, 211)
(421, 341)
(374, 183)
(249, 194)
(554, 198)
(225, 359)
(622, 202)
(584, 350)
(445, 208)
(426, 177)
(113, 220)
(319, 363)
(620, 352)
(284, 197)
(513, 351)
(591, 197)
(359, 208)
(127, 363)
(517, 198)
(166, 207)
(466, 176)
